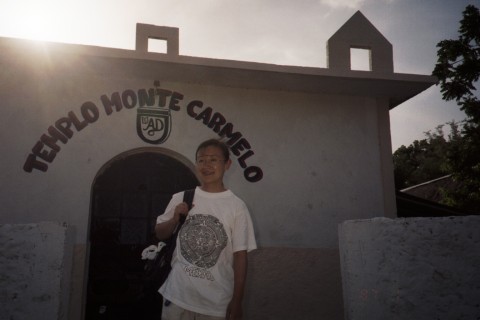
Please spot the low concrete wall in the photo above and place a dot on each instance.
(417, 268)
(35, 267)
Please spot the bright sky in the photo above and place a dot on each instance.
(286, 32)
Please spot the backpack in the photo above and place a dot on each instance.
(158, 268)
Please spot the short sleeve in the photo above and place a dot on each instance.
(168, 214)
(243, 236)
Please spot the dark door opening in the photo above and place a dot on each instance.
(127, 196)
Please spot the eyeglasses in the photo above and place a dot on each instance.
(209, 160)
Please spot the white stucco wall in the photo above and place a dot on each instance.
(35, 267)
(417, 268)
(319, 153)
(320, 137)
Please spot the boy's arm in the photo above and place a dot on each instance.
(164, 230)
(234, 309)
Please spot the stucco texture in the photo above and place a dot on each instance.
(418, 268)
(35, 263)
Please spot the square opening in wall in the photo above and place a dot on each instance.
(360, 59)
(157, 45)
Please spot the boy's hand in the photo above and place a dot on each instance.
(234, 310)
(181, 210)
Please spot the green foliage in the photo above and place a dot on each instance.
(426, 159)
(458, 71)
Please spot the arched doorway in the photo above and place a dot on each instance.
(128, 193)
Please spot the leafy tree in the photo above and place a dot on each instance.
(426, 159)
(458, 71)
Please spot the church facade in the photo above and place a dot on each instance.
(98, 139)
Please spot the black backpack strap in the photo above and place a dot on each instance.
(188, 197)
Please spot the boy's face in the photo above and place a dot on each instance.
(211, 165)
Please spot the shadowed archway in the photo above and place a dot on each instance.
(128, 194)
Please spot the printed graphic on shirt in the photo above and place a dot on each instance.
(196, 272)
(202, 239)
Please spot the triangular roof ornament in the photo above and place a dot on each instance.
(359, 33)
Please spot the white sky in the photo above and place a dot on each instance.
(286, 32)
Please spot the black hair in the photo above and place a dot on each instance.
(215, 143)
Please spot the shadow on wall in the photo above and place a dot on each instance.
(289, 283)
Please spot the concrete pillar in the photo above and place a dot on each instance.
(416, 268)
(35, 270)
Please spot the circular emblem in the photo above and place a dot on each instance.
(202, 239)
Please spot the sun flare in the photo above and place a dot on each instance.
(37, 20)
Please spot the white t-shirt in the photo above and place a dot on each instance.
(218, 225)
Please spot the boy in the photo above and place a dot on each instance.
(209, 264)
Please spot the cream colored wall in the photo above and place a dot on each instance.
(414, 268)
(321, 157)
(319, 154)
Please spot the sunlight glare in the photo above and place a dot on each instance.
(39, 20)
